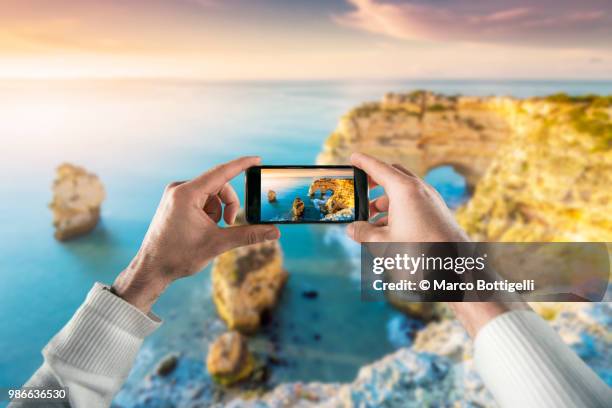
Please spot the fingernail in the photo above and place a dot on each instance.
(271, 235)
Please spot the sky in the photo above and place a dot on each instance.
(312, 173)
(314, 39)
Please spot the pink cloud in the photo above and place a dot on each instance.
(552, 22)
(506, 15)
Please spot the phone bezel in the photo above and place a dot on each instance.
(252, 194)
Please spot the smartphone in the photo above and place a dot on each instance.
(306, 194)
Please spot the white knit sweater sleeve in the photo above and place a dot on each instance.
(94, 353)
(524, 363)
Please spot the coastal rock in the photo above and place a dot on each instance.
(426, 311)
(246, 282)
(439, 369)
(345, 214)
(550, 181)
(167, 365)
(297, 208)
(77, 197)
(229, 360)
(342, 198)
(401, 379)
(271, 196)
(539, 168)
(446, 338)
(422, 131)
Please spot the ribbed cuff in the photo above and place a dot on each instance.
(103, 336)
(523, 362)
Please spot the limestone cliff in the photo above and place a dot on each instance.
(551, 181)
(247, 282)
(77, 197)
(421, 130)
(343, 193)
(540, 167)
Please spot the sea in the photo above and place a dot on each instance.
(139, 135)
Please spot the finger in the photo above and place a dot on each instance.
(212, 181)
(379, 171)
(382, 221)
(213, 208)
(174, 184)
(371, 183)
(362, 231)
(378, 205)
(232, 203)
(246, 235)
(404, 170)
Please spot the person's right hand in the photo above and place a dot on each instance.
(415, 210)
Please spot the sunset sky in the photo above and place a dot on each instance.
(314, 173)
(315, 39)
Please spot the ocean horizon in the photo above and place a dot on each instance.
(138, 136)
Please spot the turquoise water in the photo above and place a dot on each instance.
(281, 209)
(450, 184)
(140, 135)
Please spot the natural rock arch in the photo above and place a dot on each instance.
(322, 186)
(468, 173)
(423, 131)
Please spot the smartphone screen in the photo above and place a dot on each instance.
(306, 194)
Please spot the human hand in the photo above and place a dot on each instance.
(415, 210)
(184, 237)
(417, 213)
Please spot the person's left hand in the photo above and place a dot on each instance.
(184, 237)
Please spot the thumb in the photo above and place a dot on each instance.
(233, 237)
(362, 231)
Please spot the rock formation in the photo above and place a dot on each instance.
(167, 365)
(551, 181)
(297, 209)
(540, 167)
(343, 194)
(422, 131)
(271, 196)
(439, 369)
(247, 282)
(229, 360)
(77, 197)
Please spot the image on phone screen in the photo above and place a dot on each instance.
(307, 195)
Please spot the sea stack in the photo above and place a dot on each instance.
(297, 208)
(77, 197)
(246, 282)
(229, 359)
(271, 196)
